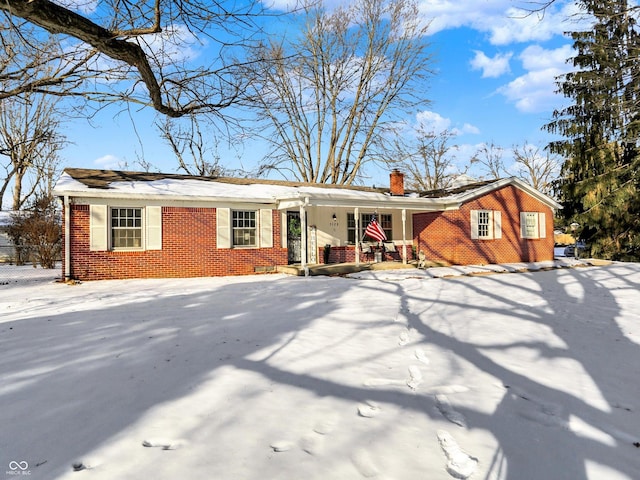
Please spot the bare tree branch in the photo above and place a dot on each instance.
(30, 140)
(327, 97)
(127, 50)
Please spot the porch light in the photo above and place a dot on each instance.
(574, 226)
(334, 217)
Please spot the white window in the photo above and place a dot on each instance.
(125, 228)
(532, 225)
(244, 227)
(486, 224)
(384, 219)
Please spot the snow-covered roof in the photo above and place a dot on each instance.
(76, 182)
(5, 218)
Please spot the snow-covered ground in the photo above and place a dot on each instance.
(385, 375)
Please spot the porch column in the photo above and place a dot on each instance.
(404, 236)
(303, 237)
(356, 215)
(67, 238)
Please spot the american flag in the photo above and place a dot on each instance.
(375, 231)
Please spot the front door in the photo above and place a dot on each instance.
(294, 237)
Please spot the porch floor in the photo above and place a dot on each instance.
(345, 268)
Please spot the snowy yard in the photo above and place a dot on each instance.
(385, 375)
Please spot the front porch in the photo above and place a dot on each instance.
(346, 268)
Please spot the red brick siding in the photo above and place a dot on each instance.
(446, 236)
(346, 254)
(188, 250)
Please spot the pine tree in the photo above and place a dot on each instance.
(600, 181)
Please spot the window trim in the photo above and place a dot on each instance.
(539, 228)
(388, 220)
(255, 228)
(112, 228)
(101, 227)
(494, 226)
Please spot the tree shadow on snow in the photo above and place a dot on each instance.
(101, 370)
(545, 429)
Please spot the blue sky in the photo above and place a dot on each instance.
(494, 82)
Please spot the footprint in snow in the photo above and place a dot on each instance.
(281, 446)
(369, 409)
(364, 463)
(326, 426)
(163, 443)
(448, 412)
(421, 356)
(459, 464)
(405, 336)
(415, 377)
(312, 443)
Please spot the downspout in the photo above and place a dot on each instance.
(67, 239)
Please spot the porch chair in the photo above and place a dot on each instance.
(367, 250)
(390, 248)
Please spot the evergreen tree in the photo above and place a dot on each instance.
(599, 184)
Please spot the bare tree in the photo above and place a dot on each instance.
(328, 96)
(195, 154)
(490, 157)
(127, 50)
(536, 167)
(30, 141)
(428, 160)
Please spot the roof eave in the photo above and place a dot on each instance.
(473, 194)
(160, 198)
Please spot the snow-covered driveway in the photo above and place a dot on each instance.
(390, 375)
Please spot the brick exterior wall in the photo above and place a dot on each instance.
(347, 254)
(446, 236)
(188, 250)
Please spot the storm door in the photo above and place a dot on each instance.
(294, 237)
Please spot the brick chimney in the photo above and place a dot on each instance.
(396, 182)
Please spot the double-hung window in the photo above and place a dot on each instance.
(486, 224)
(126, 228)
(244, 227)
(532, 225)
(385, 220)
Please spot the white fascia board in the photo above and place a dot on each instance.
(473, 194)
(384, 203)
(164, 199)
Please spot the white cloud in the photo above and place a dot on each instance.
(500, 19)
(536, 91)
(107, 162)
(470, 129)
(434, 122)
(535, 57)
(491, 67)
